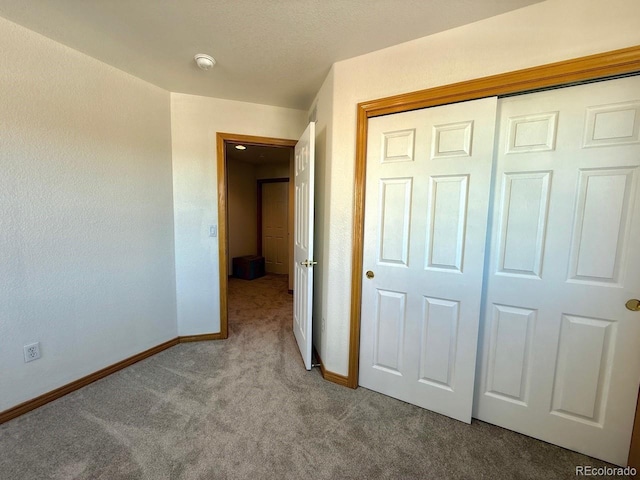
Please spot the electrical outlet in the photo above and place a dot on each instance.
(31, 352)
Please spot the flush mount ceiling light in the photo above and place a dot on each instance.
(204, 62)
(240, 147)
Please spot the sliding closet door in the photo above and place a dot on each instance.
(560, 356)
(427, 190)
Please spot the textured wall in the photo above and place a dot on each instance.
(551, 31)
(323, 104)
(194, 123)
(86, 222)
(242, 204)
(272, 170)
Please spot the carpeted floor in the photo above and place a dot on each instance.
(245, 408)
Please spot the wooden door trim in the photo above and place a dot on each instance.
(223, 249)
(261, 182)
(618, 62)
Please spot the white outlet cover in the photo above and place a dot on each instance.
(31, 352)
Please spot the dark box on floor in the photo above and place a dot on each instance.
(248, 267)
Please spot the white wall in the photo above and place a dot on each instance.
(323, 104)
(194, 123)
(551, 31)
(86, 218)
(242, 204)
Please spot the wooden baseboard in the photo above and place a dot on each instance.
(331, 376)
(202, 338)
(45, 398)
(84, 381)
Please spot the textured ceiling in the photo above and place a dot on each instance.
(275, 52)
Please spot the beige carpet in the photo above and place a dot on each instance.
(245, 408)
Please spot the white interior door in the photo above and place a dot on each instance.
(303, 242)
(427, 190)
(275, 208)
(560, 356)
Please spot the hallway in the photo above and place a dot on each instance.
(263, 299)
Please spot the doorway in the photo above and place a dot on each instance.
(256, 146)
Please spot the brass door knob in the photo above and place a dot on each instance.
(369, 274)
(633, 305)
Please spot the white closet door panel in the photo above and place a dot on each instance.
(559, 352)
(427, 190)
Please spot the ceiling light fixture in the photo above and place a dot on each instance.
(204, 62)
(241, 147)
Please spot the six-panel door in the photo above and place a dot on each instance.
(428, 177)
(560, 356)
(304, 164)
(275, 208)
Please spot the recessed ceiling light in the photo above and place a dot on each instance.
(241, 147)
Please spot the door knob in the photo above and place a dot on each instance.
(369, 274)
(633, 305)
(308, 263)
